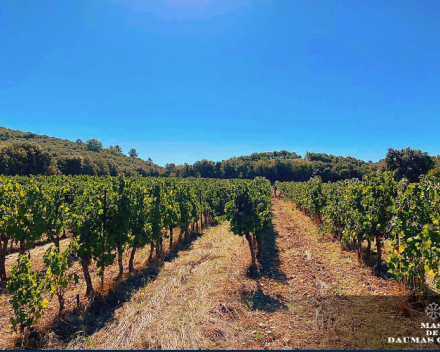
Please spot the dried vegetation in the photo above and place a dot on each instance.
(312, 294)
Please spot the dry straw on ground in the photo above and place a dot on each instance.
(312, 294)
(186, 306)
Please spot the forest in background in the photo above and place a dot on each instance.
(27, 153)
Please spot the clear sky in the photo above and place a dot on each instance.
(183, 80)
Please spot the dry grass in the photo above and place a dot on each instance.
(312, 294)
(75, 314)
(7, 337)
(336, 301)
(187, 306)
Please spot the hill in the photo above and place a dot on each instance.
(279, 165)
(24, 153)
(55, 155)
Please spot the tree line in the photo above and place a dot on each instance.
(23, 159)
(284, 166)
(29, 158)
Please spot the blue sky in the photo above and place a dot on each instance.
(183, 80)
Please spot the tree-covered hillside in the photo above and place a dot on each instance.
(26, 153)
(30, 153)
(281, 166)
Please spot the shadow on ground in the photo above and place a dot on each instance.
(15, 249)
(270, 263)
(269, 268)
(261, 301)
(3, 288)
(87, 320)
(184, 245)
(369, 260)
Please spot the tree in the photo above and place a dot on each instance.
(94, 145)
(70, 166)
(204, 168)
(24, 159)
(150, 160)
(408, 163)
(435, 172)
(79, 141)
(102, 167)
(142, 171)
(118, 149)
(88, 167)
(115, 150)
(133, 153)
(5, 136)
(113, 168)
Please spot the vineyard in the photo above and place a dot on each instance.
(375, 210)
(62, 237)
(106, 218)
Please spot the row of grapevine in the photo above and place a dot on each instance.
(379, 209)
(249, 212)
(106, 218)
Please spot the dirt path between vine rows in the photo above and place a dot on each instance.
(312, 294)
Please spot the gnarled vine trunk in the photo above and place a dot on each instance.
(378, 267)
(102, 277)
(250, 240)
(3, 249)
(367, 257)
(56, 241)
(151, 249)
(171, 237)
(22, 250)
(158, 246)
(61, 301)
(120, 263)
(259, 250)
(85, 268)
(130, 263)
